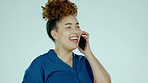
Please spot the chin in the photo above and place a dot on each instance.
(74, 48)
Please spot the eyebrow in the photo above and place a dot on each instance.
(71, 24)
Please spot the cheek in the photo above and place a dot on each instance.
(79, 32)
(65, 34)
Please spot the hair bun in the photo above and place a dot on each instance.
(57, 9)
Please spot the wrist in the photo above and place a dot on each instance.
(88, 53)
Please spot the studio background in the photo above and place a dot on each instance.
(118, 36)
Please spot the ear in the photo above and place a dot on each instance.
(54, 34)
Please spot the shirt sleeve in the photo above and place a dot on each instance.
(34, 73)
(89, 70)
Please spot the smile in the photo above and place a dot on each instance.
(74, 39)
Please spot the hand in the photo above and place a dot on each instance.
(87, 47)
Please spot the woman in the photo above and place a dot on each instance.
(61, 65)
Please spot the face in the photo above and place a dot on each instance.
(68, 33)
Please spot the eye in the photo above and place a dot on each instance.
(68, 27)
(78, 26)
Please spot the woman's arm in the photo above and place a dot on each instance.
(99, 73)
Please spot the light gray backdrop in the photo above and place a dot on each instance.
(118, 36)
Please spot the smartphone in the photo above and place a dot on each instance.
(82, 43)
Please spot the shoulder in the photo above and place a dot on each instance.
(80, 58)
(39, 59)
(48, 55)
(43, 59)
(36, 64)
(36, 70)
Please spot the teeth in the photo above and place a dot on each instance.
(72, 38)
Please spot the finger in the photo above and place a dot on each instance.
(85, 34)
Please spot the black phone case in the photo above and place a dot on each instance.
(82, 43)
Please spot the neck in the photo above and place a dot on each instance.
(63, 54)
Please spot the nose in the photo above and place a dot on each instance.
(77, 30)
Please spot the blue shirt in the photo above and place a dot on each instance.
(48, 68)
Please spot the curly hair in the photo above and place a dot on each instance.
(55, 10)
